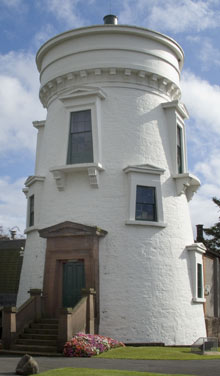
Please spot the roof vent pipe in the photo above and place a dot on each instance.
(199, 237)
(110, 19)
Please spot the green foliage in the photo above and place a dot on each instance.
(213, 243)
(3, 233)
(97, 372)
(154, 352)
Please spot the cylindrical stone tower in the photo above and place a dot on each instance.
(111, 185)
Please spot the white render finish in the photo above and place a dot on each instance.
(129, 78)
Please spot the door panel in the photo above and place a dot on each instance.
(73, 282)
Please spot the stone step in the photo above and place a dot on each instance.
(34, 348)
(19, 352)
(38, 336)
(41, 331)
(49, 321)
(37, 325)
(31, 341)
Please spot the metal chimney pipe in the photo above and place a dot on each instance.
(13, 234)
(199, 237)
(110, 19)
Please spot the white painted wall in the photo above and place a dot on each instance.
(145, 283)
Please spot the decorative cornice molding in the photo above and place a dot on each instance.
(153, 82)
(196, 247)
(180, 108)
(39, 124)
(82, 93)
(33, 179)
(144, 169)
(66, 229)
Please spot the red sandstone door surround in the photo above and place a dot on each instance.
(69, 241)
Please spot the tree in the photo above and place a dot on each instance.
(3, 234)
(213, 243)
(10, 234)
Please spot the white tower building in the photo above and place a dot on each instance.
(108, 203)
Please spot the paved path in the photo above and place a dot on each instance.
(189, 367)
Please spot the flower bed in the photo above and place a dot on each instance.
(86, 345)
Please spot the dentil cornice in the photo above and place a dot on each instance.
(149, 81)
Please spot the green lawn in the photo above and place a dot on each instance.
(97, 372)
(172, 353)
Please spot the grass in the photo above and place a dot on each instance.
(129, 352)
(171, 353)
(98, 372)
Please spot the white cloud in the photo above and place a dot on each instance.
(202, 100)
(193, 38)
(12, 3)
(42, 36)
(12, 203)
(209, 54)
(210, 170)
(184, 16)
(170, 15)
(203, 210)
(19, 103)
(12, 7)
(65, 11)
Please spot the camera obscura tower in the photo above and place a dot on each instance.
(108, 202)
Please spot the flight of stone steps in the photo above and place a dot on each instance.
(39, 338)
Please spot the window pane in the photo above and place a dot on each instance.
(179, 150)
(145, 204)
(138, 211)
(148, 212)
(80, 121)
(179, 160)
(31, 210)
(179, 136)
(148, 196)
(80, 140)
(145, 195)
(199, 277)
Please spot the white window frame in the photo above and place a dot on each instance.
(33, 187)
(175, 113)
(186, 183)
(196, 252)
(81, 99)
(148, 176)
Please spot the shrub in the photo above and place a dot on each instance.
(86, 345)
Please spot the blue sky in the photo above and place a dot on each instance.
(26, 24)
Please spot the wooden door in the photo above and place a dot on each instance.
(73, 282)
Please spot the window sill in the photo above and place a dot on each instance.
(60, 172)
(76, 167)
(145, 223)
(199, 300)
(30, 229)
